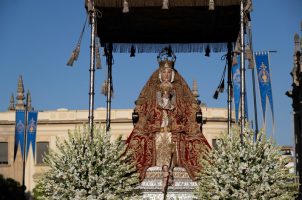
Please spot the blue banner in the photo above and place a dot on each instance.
(264, 80)
(236, 86)
(19, 132)
(236, 89)
(31, 132)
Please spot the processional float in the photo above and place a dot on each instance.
(149, 26)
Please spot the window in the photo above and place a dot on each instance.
(42, 150)
(3, 153)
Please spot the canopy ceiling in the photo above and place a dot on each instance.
(188, 25)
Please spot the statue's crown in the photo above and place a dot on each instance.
(166, 58)
(166, 64)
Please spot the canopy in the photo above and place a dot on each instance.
(187, 25)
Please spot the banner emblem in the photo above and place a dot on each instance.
(32, 126)
(20, 127)
(263, 74)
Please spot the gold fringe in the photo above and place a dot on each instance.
(177, 48)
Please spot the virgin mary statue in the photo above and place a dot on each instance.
(167, 131)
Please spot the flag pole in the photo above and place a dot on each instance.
(25, 143)
(242, 71)
(255, 104)
(92, 14)
(229, 59)
(253, 81)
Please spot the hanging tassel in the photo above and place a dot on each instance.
(249, 56)
(248, 52)
(105, 88)
(125, 6)
(169, 51)
(74, 55)
(251, 63)
(237, 48)
(76, 52)
(105, 51)
(165, 4)
(132, 51)
(221, 86)
(234, 61)
(215, 96)
(211, 5)
(208, 50)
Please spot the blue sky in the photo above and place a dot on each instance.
(37, 38)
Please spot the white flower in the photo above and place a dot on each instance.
(85, 169)
(245, 170)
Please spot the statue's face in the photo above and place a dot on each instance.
(166, 74)
(165, 168)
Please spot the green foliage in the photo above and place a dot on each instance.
(246, 170)
(81, 168)
(11, 189)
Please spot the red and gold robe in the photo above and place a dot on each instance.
(186, 132)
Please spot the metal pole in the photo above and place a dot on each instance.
(253, 82)
(92, 15)
(229, 58)
(109, 87)
(255, 104)
(242, 71)
(25, 142)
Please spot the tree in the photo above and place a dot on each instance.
(11, 189)
(81, 168)
(245, 169)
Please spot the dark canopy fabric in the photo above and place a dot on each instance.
(158, 3)
(187, 26)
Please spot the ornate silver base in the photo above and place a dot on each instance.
(183, 188)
